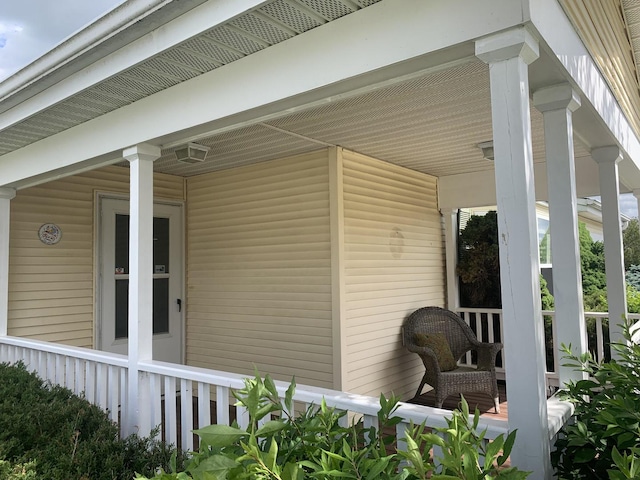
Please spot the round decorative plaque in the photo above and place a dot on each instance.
(50, 233)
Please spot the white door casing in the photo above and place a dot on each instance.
(167, 278)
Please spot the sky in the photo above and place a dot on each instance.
(29, 28)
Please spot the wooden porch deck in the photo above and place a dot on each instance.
(483, 402)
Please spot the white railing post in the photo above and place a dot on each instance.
(450, 217)
(557, 104)
(141, 158)
(6, 194)
(508, 55)
(607, 159)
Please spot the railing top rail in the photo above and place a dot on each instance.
(434, 417)
(477, 310)
(113, 359)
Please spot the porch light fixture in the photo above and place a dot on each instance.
(487, 150)
(191, 153)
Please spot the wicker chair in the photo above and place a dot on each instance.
(461, 339)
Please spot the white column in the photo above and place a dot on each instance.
(607, 159)
(451, 256)
(6, 194)
(557, 104)
(508, 54)
(141, 159)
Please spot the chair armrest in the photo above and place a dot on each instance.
(487, 353)
(428, 356)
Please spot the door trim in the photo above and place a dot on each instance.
(99, 196)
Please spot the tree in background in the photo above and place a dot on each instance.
(631, 242)
(479, 262)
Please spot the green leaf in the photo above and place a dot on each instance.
(217, 465)
(220, 435)
(270, 428)
(584, 455)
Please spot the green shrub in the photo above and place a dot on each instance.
(604, 441)
(315, 445)
(66, 436)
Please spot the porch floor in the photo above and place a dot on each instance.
(483, 402)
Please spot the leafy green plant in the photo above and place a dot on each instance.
(49, 430)
(316, 445)
(604, 440)
(465, 454)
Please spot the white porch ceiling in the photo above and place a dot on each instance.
(431, 123)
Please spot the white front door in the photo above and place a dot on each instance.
(167, 279)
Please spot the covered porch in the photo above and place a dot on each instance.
(323, 214)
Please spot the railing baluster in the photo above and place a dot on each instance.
(222, 405)
(90, 384)
(124, 386)
(186, 414)
(69, 374)
(242, 417)
(170, 417)
(156, 399)
(204, 405)
(101, 385)
(401, 435)
(369, 421)
(113, 394)
(600, 339)
(59, 378)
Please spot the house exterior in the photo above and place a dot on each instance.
(342, 138)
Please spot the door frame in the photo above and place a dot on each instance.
(99, 196)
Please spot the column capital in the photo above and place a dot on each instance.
(7, 193)
(517, 42)
(141, 151)
(609, 154)
(556, 97)
(449, 211)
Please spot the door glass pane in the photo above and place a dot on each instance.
(160, 245)
(161, 305)
(122, 244)
(122, 308)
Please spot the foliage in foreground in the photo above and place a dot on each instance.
(47, 432)
(604, 441)
(318, 445)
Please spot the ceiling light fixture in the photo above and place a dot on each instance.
(487, 150)
(191, 153)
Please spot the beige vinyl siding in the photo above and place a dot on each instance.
(600, 24)
(51, 288)
(394, 264)
(259, 270)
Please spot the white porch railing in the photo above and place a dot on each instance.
(487, 324)
(181, 395)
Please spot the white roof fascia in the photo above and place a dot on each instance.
(559, 37)
(178, 30)
(374, 44)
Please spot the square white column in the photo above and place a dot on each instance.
(557, 104)
(6, 194)
(450, 217)
(607, 159)
(508, 54)
(141, 158)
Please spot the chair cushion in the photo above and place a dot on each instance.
(440, 346)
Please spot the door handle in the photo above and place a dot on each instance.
(179, 302)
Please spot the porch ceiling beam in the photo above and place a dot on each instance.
(374, 45)
(566, 47)
(179, 30)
